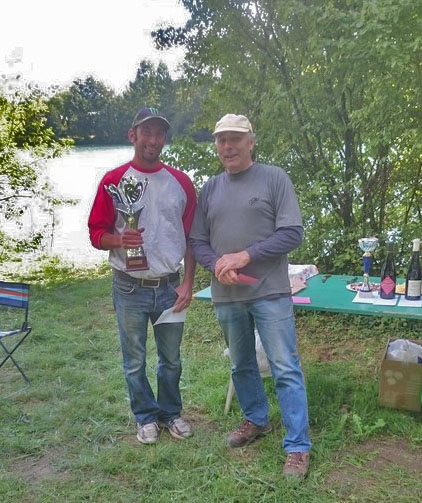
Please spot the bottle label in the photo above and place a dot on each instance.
(414, 288)
(388, 285)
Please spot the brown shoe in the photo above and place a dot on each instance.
(247, 433)
(297, 464)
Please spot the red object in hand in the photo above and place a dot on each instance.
(246, 280)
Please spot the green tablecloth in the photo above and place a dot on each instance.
(332, 295)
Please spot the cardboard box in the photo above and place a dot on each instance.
(400, 383)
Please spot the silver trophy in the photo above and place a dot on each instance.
(367, 245)
(127, 201)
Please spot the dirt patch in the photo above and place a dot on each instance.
(199, 421)
(396, 452)
(34, 470)
(336, 352)
(245, 454)
(377, 463)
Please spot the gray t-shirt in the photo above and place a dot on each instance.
(237, 210)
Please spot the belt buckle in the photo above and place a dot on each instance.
(153, 283)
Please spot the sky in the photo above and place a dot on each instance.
(61, 41)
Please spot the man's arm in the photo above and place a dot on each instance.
(184, 290)
(204, 254)
(283, 240)
(102, 219)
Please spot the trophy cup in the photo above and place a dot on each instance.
(367, 245)
(127, 201)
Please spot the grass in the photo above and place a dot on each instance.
(69, 436)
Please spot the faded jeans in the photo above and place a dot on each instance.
(274, 321)
(134, 306)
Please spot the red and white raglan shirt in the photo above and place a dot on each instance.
(169, 204)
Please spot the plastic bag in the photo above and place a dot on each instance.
(261, 357)
(403, 350)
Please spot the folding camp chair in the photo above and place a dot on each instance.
(14, 304)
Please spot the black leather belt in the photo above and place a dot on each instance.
(150, 282)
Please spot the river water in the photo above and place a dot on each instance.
(76, 175)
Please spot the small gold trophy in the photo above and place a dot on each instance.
(127, 201)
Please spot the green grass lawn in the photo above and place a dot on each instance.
(69, 436)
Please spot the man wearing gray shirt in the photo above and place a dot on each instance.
(246, 221)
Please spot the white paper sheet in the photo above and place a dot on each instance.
(385, 302)
(376, 300)
(168, 316)
(363, 300)
(403, 302)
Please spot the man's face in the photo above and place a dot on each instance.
(148, 139)
(234, 150)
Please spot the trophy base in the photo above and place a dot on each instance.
(366, 289)
(137, 263)
(363, 294)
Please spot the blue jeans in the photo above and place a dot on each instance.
(134, 306)
(275, 323)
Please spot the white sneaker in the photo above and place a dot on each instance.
(179, 428)
(148, 433)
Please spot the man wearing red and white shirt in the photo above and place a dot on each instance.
(169, 204)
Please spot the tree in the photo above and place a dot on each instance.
(153, 87)
(333, 89)
(25, 143)
(86, 111)
(90, 112)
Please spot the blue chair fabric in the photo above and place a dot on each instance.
(14, 298)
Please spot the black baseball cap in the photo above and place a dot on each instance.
(146, 114)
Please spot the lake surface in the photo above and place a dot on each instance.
(76, 175)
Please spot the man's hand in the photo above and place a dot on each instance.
(228, 278)
(227, 265)
(184, 292)
(131, 238)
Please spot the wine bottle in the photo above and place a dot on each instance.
(414, 275)
(388, 275)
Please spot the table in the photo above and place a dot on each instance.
(332, 295)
